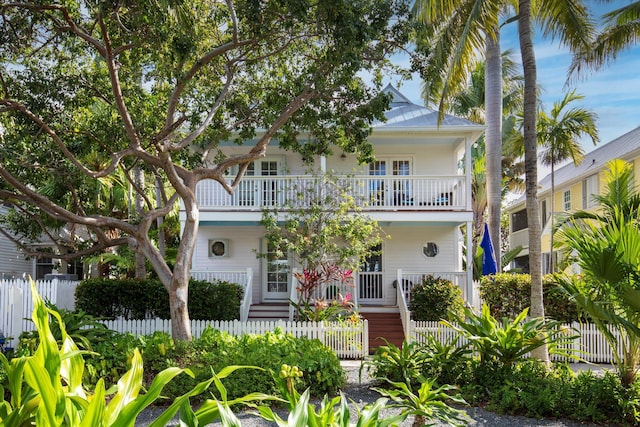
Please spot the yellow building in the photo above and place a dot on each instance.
(574, 188)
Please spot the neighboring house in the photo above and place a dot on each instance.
(574, 187)
(15, 265)
(418, 190)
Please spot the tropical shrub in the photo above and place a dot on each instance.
(216, 349)
(508, 294)
(435, 299)
(46, 388)
(397, 364)
(141, 299)
(85, 330)
(508, 341)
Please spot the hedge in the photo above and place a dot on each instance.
(435, 299)
(141, 299)
(508, 294)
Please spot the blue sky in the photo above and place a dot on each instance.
(613, 92)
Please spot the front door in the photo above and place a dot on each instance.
(276, 276)
(370, 289)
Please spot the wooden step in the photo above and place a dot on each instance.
(268, 312)
(384, 325)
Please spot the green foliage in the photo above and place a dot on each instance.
(84, 329)
(330, 412)
(428, 403)
(448, 362)
(508, 294)
(215, 350)
(140, 299)
(46, 388)
(317, 226)
(606, 246)
(397, 364)
(435, 299)
(507, 341)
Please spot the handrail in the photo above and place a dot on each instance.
(293, 296)
(370, 192)
(247, 298)
(405, 314)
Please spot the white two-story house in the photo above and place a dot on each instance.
(418, 190)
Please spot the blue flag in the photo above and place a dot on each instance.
(489, 265)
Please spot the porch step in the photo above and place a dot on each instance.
(387, 325)
(268, 312)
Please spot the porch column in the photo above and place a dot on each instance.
(323, 164)
(467, 171)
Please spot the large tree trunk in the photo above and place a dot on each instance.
(138, 176)
(493, 138)
(176, 282)
(531, 165)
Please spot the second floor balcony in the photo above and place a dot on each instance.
(372, 193)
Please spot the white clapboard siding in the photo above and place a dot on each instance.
(348, 341)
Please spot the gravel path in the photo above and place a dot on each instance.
(361, 394)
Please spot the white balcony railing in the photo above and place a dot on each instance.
(519, 238)
(370, 192)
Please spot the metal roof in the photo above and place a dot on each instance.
(624, 147)
(405, 114)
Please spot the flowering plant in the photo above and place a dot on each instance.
(312, 306)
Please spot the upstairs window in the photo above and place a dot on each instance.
(519, 221)
(589, 188)
(566, 200)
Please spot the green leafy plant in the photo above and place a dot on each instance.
(435, 299)
(447, 361)
(46, 388)
(428, 403)
(397, 364)
(329, 413)
(507, 294)
(85, 329)
(140, 299)
(507, 341)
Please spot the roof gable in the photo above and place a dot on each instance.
(405, 114)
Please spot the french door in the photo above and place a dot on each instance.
(276, 275)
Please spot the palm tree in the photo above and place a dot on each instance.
(558, 134)
(621, 31)
(606, 247)
(470, 103)
(570, 21)
(453, 33)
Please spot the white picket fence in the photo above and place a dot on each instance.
(349, 341)
(591, 345)
(16, 303)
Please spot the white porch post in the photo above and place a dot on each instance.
(323, 164)
(467, 171)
